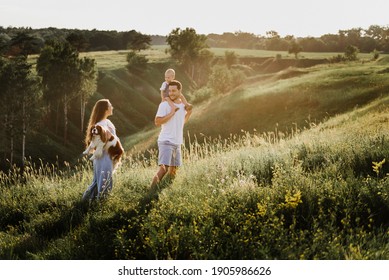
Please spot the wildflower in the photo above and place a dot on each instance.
(292, 201)
(261, 209)
(377, 166)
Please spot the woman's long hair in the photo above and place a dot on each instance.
(98, 114)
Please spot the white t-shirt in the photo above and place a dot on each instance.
(172, 130)
(107, 124)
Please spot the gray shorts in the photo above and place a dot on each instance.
(169, 154)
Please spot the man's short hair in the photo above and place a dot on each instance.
(176, 83)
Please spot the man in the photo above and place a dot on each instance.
(171, 136)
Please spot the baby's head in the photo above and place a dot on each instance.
(169, 75)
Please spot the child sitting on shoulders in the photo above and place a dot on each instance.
(170, 76)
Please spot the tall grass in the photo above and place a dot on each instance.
(313, 196)
(319, 190)
(319, 194)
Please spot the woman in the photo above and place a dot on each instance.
(103, 166)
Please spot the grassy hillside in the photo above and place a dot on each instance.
(136, 98)
(316, 193)
(292, 98)
(282, 103)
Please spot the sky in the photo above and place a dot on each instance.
(300, 18)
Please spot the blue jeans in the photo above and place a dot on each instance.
(102, 178)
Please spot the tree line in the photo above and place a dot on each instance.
(366, 40)
(13, 40)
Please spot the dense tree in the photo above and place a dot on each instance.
(24, 44)
(230, 58)
(82, 40)
(294, 48)
(6, 109)
(20, 96)
(78, 40)
(105, 40)
(59, 67)
(384, 43)
(331, 42)
(65, 77)
(136, 41)
(4, 42)
(311, 44)
(186, 46)
(375, 37)
(351, 53)
(380, 35)
(88, 85)
(275, 42)
(374, 32)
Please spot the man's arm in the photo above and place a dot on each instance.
(161, 120)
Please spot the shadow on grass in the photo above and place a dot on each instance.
(33, 237)
(152, 196)
(118, 235)
(97, 235)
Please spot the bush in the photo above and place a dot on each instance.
(137, 64)
(351, 53)
(338, 58)
(376, 55)
(200, 95)
(223, 79)
(219, 80)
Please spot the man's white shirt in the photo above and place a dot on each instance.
(172, 130)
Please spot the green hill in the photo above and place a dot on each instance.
(284, 102)
(315, 188)
(281, 95)
(290, 98)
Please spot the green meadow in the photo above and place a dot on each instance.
(220, 52)
(289, 165)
